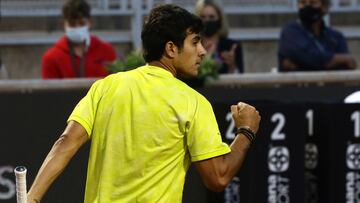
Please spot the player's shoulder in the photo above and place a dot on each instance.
(202, 99)
(120, 78)
(193, 94)
(113, 78)
(104, 84)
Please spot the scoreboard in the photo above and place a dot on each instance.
(304, 152)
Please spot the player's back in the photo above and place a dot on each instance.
(138, 143)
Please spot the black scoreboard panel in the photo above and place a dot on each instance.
(304, 152)
(271, 170)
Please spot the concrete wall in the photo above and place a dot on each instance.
(259, 56)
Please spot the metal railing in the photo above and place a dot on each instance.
(320, 78)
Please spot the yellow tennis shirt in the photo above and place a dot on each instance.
(146, 127)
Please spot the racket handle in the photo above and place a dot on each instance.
(20, 177)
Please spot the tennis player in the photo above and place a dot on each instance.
(146, 126)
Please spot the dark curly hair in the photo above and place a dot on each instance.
(167, 23)
(76, 9)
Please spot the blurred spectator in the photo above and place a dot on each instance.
(309, 44)
(3, 72)
(226, 52)
(77, 53)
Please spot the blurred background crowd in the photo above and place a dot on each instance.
(68, 39)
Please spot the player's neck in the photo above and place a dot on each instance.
(162, 64)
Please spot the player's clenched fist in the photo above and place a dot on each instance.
(246, 115)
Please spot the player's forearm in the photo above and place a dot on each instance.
(217, 172)
(225, 167)
(55, 162)
(233, 161)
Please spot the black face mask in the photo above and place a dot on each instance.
(308, 15)
(211, 27)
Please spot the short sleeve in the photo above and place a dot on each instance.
(203, 135)
(85, 111)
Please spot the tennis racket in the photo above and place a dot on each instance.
(20, 177)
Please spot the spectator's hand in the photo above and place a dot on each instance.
(229, 57)
(245, 115)
(288, 64)
(342, 59)
(351, 63)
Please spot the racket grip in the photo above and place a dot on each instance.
(20, 178)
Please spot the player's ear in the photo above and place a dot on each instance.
(170, 49)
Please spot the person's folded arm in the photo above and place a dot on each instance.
(341, 59)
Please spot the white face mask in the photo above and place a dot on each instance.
(78, 34)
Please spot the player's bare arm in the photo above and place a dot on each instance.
(217, 172)
(61, 153)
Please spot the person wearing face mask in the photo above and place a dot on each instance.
(308, 44)
(77, 54)
(226, 52)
